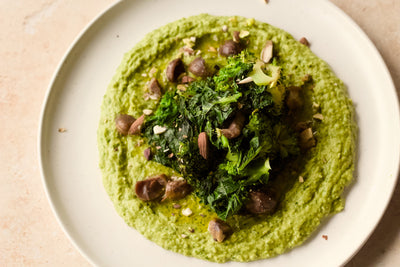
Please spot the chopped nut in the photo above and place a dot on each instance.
(187, 51)
(187, 79)
(306, 78)
(147, 111)
(159, 129)
(170, 155)
(189, 42)
(318, 116)
(301, 179)
(176, 206)
(212, 49)
(304, 41)
(250, 22)
(62, 130)
(184, 136)
(158, 147)
(315, 105)
(187, 212)
(224, 28)
(152, 72)
(191, 230)
(184, 236)
(144, 74)
(181, 87)
(243, 34)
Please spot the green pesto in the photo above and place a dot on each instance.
(326, 168)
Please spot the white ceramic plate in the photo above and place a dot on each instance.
(69, 160)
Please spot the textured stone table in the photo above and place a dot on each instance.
(34, 35)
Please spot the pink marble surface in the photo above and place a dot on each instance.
(34, 35)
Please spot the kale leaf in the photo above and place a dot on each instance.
(237, 165)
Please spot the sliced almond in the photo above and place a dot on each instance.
(266, 53)
(202, 142)
(136, 126)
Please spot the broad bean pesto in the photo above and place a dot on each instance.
(225, 139)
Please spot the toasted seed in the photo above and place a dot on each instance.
(246, 80)
(266, 53)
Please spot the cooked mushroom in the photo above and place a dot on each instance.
(174, 69)
(198, 67)
(123, 122)
(261, 202)
(306, 139)
(219, 229)
(203, 143)
(151, 188)
(154, 87)
(136, 126)
(236, 126)
(230, 48)
(177, 189)
(294, 99)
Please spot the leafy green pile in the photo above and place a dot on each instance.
(236, 165)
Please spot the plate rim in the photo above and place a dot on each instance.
(50, 88)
